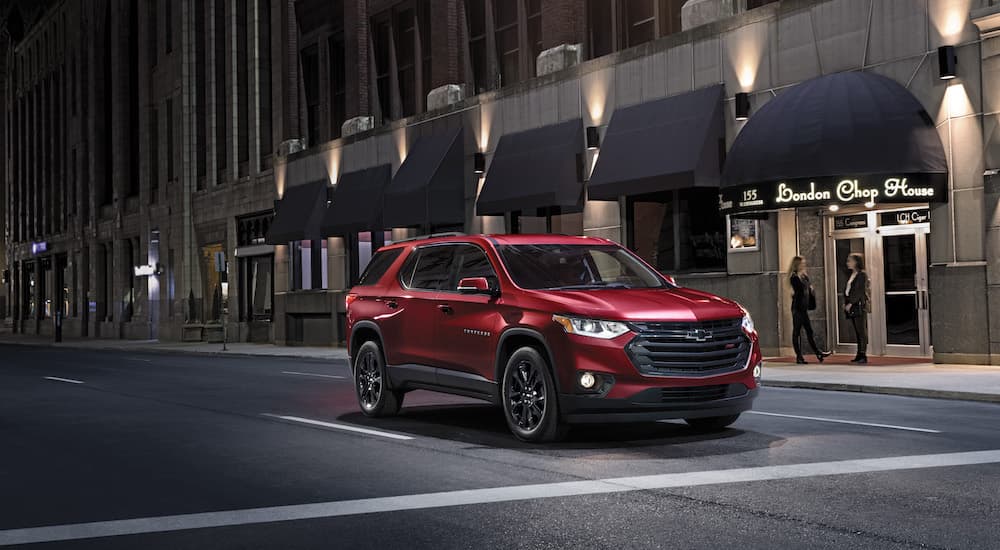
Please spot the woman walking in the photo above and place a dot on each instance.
(856, 304)
(803, 300)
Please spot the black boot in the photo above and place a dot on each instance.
(801, 360)
(862, 359)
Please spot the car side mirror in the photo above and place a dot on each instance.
(476, 285)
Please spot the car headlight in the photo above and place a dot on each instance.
(595, 328)
(748, 321)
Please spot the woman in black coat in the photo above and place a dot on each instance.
(802, 296)
(856, 304)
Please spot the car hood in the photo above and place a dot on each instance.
(652, 304)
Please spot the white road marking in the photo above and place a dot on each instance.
(313, 374)
(468, 497)
(336, 426)
(852, 422)
(57, 379)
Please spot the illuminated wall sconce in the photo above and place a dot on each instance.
(742, 106)
(479, 163)
(593, 138)
(946, 62)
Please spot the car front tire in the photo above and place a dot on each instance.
(371, 382)
(529, 397)
(712, 423)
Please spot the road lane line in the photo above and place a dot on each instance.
(336, 426)
(313, 374)
(297, 512)
(57, 379)
(852, 422)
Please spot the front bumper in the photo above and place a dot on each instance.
(653, 404)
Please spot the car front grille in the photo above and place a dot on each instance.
(689, 349)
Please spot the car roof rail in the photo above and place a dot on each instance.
(431, 236)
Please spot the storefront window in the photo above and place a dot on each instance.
(212, 289)
(678, 230)
(309, 264)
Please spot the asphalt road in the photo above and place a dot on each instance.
(132, 450)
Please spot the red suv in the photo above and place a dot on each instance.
(558, 330)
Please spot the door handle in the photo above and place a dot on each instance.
(392, 304)
(446, 309)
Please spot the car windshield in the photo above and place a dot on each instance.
(576, 267)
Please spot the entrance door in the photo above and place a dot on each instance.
(896, 260)
(904, 297)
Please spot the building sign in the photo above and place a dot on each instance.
(144, 270)
(743, 233)
(905, 217)
(823, 192)
(853, 221)
(39, 247)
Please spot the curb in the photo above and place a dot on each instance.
(886, 390)
(161, 351)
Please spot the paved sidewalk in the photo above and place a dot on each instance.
(889, 376)
(199, 348)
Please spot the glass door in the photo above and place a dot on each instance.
(894, 245)
(903, 297)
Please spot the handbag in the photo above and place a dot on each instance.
(812, 299)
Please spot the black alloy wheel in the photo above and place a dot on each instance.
(529, 398)
(370, 381)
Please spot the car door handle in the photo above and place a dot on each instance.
(446, 309)
(392, 304)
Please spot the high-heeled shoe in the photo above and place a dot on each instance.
(862, 360)
(801, 361)
(823, 355)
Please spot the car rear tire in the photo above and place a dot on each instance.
(529, 397)
(375, 397)
(712, 423)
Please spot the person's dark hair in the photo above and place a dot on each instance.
(859, 261)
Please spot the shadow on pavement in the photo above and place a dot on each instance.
(484, 426)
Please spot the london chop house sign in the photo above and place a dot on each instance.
(823, 192)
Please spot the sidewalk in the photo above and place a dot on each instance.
(196, 348)
(888, 375)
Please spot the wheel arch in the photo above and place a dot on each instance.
(361, 332)
(517, 337)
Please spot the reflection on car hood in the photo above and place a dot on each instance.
(651, 304)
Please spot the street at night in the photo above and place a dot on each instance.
(240, 452)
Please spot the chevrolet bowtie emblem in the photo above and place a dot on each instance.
(699, 335)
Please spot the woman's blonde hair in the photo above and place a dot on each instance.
(793, 269)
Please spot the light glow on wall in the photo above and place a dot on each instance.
(333, 157)
(401, 145)
(596, 88)
(280, 168)
(485, 125)
(745, 50)
(950, 18)
(956, 102)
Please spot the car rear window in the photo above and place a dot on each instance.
(378, 265)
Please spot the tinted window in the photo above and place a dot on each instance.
(378, 266)
(472, 262)
(433, 268)
(566, 267)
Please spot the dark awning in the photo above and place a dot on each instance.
(661, 145)
(357, 202)
(299, 213)
(841, 138)
(535, 170)
(429, 187)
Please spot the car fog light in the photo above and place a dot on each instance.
(756, 372)
(587, 380)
